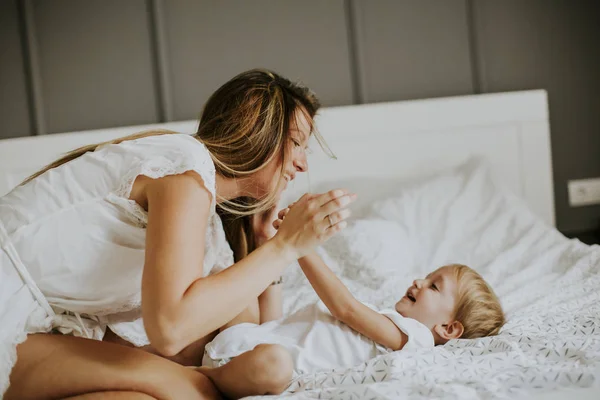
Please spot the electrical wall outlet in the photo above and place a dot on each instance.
(584, 192)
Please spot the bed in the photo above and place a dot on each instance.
(462, 179)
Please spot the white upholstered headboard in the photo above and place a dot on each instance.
(379, 144)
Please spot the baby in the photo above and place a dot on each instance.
(451, 302)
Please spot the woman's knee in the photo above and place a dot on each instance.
(204, 388)
(274, 367)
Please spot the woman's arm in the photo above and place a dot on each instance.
(344, 307)
(179, 305)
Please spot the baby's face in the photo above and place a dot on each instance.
(431, 300)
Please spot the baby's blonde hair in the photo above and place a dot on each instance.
(477, 306)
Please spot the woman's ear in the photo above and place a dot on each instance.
(452, 330)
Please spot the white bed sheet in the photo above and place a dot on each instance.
(549, 286)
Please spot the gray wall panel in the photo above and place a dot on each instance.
(413, 49)
(14, 108)
(211, 41)
(95, 63)
(103, 63)
(551, 45)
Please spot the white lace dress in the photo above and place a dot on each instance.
(72, 243)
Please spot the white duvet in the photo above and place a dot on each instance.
(549, 287)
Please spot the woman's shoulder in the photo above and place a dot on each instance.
(164, 144)
(161, 155)
(174, 150)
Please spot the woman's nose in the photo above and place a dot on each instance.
(301, 163)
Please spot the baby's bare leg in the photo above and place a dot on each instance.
(265, 370)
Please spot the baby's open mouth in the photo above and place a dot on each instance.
(410, 296)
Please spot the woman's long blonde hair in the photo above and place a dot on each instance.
(244, 125)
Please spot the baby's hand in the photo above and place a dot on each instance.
(281, 216)
(263, 230)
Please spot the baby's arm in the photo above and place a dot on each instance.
(344, 307)
(270, 303)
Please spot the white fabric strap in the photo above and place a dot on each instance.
(7, 245)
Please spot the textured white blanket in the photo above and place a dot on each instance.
(549, 287)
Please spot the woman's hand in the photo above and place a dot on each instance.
(312, 220)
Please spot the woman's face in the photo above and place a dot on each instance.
(266, 180)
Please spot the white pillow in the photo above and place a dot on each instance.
(406, 225)
(459, 216)
(463, 216)
(373, 243)
(445, 216)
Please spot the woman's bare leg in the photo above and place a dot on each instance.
(57, 366)
(112, 396)
(265, 370)
(190, 356)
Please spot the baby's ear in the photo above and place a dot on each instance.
(452, 330)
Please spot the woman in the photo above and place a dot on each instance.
(128, 229)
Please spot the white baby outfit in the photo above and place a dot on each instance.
(72, 243)
(314, 338)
